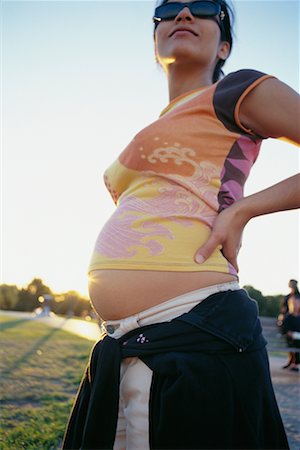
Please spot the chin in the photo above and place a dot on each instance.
(186, 58)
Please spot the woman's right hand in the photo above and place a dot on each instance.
(229, 225)
(227, 232)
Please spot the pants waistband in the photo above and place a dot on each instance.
(166, 311)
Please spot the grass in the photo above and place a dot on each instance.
(41, 368)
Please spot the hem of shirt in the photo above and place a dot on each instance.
(164, 268)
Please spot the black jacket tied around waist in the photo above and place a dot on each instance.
(211, 386)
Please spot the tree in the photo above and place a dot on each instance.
(9, 296)
(37, 288)
(273, 305)
(28, 297)
(71, 303)
(267, 305)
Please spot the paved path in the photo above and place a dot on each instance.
(83, 328)
(286, 383)
(287, 390)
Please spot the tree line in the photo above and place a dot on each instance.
(33, 297)
(72, 303)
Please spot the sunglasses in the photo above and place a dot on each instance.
(202, 9)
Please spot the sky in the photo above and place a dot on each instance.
(78, 81)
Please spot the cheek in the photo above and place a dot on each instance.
(209, 31)
(209, 43)
(159, 49)
(156, 42)
(161, 36)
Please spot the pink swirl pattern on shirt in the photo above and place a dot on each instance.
(201, 173)
(131, 224)
(177, 199)
(119, 238)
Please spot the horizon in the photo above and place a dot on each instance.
(86, 297)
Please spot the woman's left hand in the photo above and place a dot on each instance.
(226, 232)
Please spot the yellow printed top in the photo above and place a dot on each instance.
(175, 176)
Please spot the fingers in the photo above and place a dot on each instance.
(207, 249)
(233, 262)
(229, 251)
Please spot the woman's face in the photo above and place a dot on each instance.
(190, 40)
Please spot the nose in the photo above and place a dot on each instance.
(184, 14)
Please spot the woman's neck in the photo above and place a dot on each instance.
(184, 79)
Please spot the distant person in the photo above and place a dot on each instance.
(184, 363)
(291, 325)
(294, 292)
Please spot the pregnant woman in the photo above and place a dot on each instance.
(183, 363)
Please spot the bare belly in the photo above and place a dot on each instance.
(116, 294)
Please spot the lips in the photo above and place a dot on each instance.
(183, 29)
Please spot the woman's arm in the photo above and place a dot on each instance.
(272, 109)
(229, 225)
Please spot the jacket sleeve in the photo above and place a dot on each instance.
(74, 431)
(93, 420)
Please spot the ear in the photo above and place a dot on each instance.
(224, 50)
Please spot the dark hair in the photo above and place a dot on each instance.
(295, 286)
(226, 33)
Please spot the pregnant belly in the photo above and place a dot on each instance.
(116, 294)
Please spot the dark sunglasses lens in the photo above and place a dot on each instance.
(205, 9)
(170, 10)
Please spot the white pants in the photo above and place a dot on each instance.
(135, 377)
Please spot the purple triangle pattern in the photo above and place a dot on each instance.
(236, 169)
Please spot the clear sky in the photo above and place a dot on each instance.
(79, 79)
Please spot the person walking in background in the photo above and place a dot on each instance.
(183, 364)
(291, 324)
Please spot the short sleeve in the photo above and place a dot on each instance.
(229, 94)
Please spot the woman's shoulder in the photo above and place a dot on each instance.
(229, 93)
(241, 77)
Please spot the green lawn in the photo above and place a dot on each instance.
(41, 368)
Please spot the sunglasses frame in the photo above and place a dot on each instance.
(220, 14)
